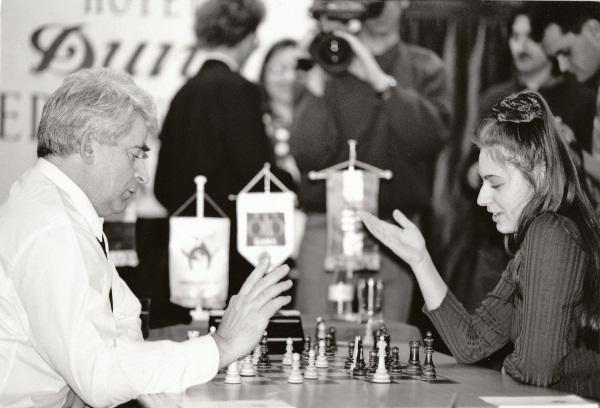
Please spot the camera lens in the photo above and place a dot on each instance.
(331, 52)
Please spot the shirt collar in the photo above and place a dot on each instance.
(78, 198)
(219, 56)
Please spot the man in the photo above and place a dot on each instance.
(393, 101)
(69, 326)
(570, 32)
(214, 124)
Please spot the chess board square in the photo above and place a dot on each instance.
(259, 382)
(439, 380)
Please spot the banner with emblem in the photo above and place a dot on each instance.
(265, 221)
(352, 186)
(199, 255)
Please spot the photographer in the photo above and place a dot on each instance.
(392, 99)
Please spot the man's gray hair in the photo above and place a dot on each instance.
(99, 101)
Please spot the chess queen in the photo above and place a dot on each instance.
(546, 301)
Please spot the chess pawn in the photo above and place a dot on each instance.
(322, 357)
(289, 351)
(328, 346)
(311, 369)
(333, 339)
(395, 366)
(264, 361)
(321, 330)
(414, 362)
(360, 370)
(428, 369)
(307, 346)
(295, 376)
(372, 364)
(350, 358)
(247, 367)
(233, 374)
(381, 375)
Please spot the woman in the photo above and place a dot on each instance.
(279, 78)
(546, 302)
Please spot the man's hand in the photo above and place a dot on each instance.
(249, 312)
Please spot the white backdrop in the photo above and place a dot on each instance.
(41, 41)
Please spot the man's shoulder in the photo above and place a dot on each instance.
(421, 56)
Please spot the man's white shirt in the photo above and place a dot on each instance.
(58, 334)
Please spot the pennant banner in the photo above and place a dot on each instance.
(199, 261)
(348, 246)
(265, 226)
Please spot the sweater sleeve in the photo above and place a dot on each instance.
(552, 278)
(472, 337)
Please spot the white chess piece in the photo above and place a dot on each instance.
(381, 375)
(289, 351)
(247, 367)
(322, 357)
(311, 370)
(295, 376)
(233, 374)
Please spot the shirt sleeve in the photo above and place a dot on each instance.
(472, 337)
(552, 280)
(73, 329)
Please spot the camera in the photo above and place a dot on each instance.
(330, 51)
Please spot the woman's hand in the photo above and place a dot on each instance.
(406, 241)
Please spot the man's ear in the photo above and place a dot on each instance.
(87, 148)
(592, 27)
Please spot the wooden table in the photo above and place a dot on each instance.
(470, 382)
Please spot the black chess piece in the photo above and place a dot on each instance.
(414, 362)
(350, 358)
(333, 339)
(395, 366)
(263, 360)
(307, 343)
(328, 348)
(428, 369)
(361, 369)
(372, 364)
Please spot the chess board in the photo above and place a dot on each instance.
(278, 373)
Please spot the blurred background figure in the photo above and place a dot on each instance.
(214, 124)
(391, 98)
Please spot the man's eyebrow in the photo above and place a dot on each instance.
(143, 147)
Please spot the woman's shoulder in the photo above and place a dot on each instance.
(553, 227)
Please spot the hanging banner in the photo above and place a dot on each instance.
(265, 226)
(199, 261)
(348, 246)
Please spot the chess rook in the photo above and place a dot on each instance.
(414, 362)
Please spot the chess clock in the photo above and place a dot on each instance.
(284, 324)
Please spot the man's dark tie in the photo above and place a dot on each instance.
(101, 242)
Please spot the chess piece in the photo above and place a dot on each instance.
(247, 367)
(428, 369)
(319, 322)
(414, 362)
(368, 339)
(381, 375)
(307, 346)
(233, 374)
(372, 364)
(321, 330)
(395, 366)
(289, 351)
(328, 347)
(360, 369)
(311, 369)
(322, 357)
(333, 339)
(295, 376)
(350, 358)
(263, 360)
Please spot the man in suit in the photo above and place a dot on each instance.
(214, 124)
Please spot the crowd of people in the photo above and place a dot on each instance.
(528, 249)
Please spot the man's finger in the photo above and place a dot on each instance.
(272, 292)
(271, 307)
(268, 280)
(254, 277)
(402, 219)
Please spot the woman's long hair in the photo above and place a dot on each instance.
(521, 130)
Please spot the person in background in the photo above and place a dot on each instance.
(393, 101)
(69, 326)
(546, 301)
(214, 124)
(478, 261)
